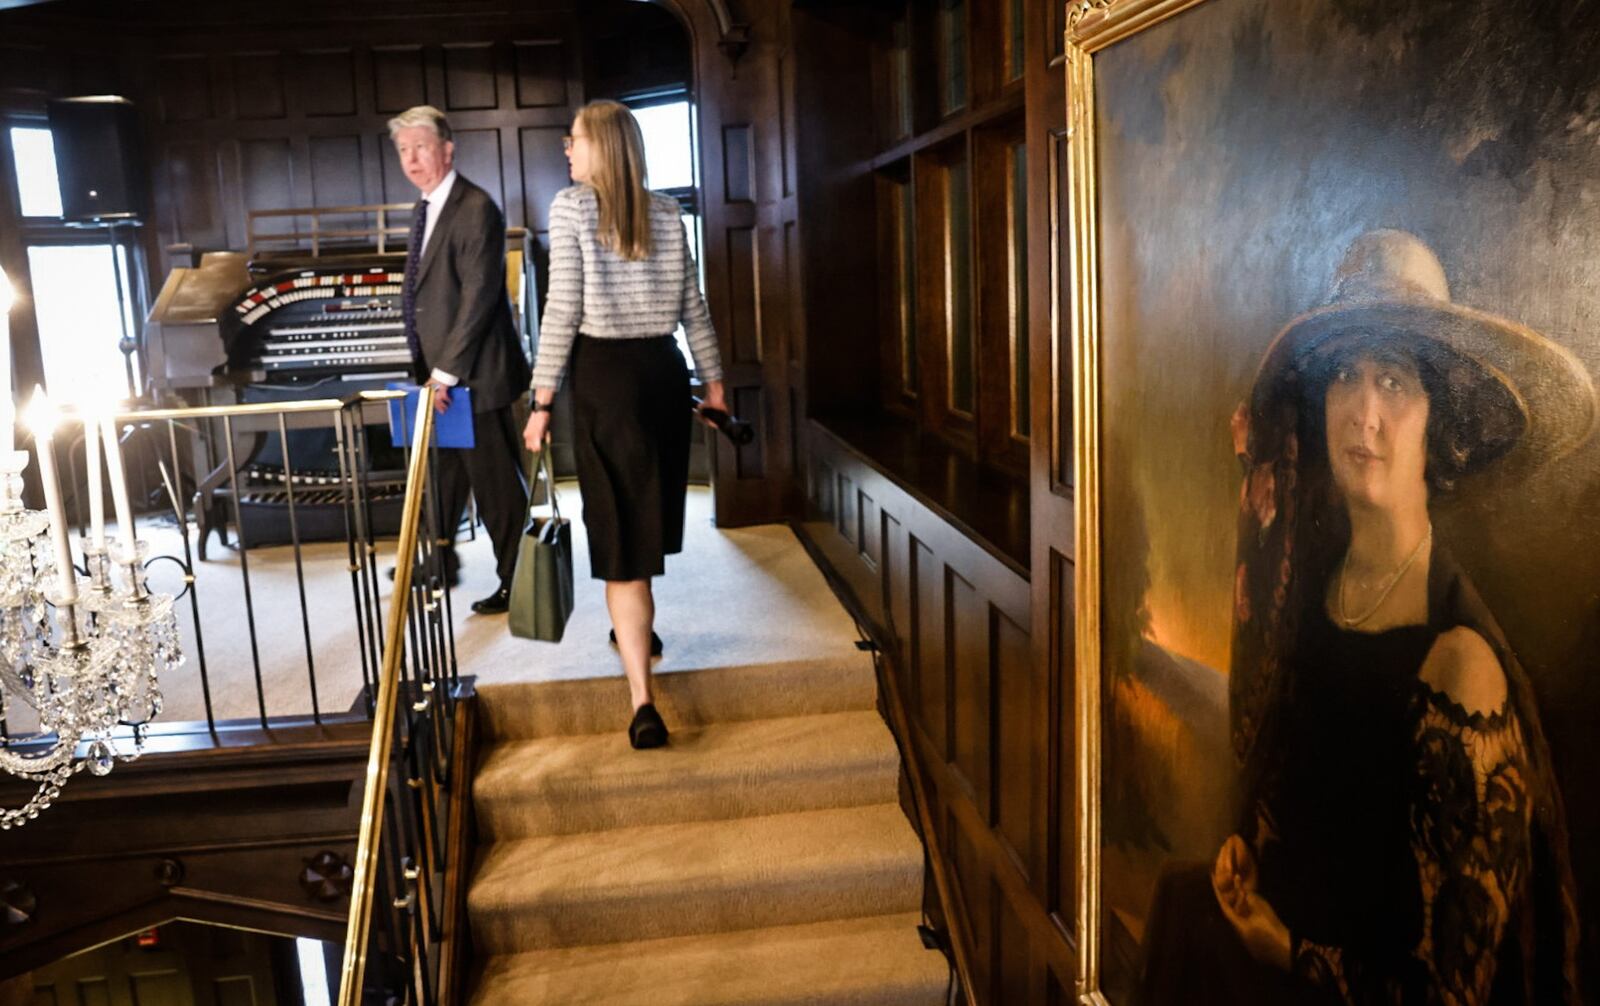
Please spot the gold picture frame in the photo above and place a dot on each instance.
(1092, 25)
(1263, 198)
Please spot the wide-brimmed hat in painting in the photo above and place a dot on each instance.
(1523, 397)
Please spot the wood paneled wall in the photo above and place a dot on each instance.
(1050, 493)
(982, 647)
(986, 716)
(302, 121)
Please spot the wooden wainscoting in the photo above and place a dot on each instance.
(954, 619)
(224, 830)
(249, 828)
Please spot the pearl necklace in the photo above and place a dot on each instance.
(1389, 583)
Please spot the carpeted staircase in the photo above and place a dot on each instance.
(761, 858)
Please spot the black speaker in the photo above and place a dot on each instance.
(98, 158)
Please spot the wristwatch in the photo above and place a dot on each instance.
(537, 406)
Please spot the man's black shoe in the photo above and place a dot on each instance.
(494, 604)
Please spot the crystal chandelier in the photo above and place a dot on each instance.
(94, 668)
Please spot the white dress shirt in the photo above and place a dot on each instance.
(436, 200)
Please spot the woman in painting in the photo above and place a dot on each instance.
(1403, 839)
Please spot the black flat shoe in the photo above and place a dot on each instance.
(494, 604)
(655, 643)
(647, 730)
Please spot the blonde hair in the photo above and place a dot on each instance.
(421, 115)
(617, 175)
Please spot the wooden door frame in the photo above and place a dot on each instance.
(740, 70)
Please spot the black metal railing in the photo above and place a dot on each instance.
(301, 518)
(395, 945)
(239, 471)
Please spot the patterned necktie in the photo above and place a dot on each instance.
(408, 296)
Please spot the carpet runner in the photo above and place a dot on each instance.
(760, 859)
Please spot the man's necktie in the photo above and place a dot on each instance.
(408, 296)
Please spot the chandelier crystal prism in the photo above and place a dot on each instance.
(79, 669)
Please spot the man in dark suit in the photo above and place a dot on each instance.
(459, 324)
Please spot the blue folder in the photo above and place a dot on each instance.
(452, 428)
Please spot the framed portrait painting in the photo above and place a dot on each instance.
(1335, 278)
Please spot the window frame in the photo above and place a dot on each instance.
(37, 231)
(687, 196)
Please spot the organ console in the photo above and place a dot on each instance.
(314, 324)
(274, 325)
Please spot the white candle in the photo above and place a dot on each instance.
(97, 502)
(8, 412)
(119, 488)
(43, 422)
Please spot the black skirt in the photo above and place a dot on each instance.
(630, 400)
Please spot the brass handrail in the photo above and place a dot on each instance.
(293, 407)
(358, 934)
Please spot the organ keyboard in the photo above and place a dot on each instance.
(312, 324)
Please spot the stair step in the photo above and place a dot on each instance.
(666, 880)
(874, 961)
(564, 785)
(685, 698)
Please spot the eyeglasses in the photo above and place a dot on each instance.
(568, 141)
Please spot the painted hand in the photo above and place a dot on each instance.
(1233, 876)
(1233, 879)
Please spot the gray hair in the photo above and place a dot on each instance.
(421, 115)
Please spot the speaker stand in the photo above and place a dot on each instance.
(127, 345)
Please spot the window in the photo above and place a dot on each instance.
(669, 151)
(38, 186)
(668, 144)
(84, 296)
(313, 972)
(691, 232)
(75, 300)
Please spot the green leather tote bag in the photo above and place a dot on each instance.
(541, 586)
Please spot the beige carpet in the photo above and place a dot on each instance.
(761, 858)
(733, 597)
